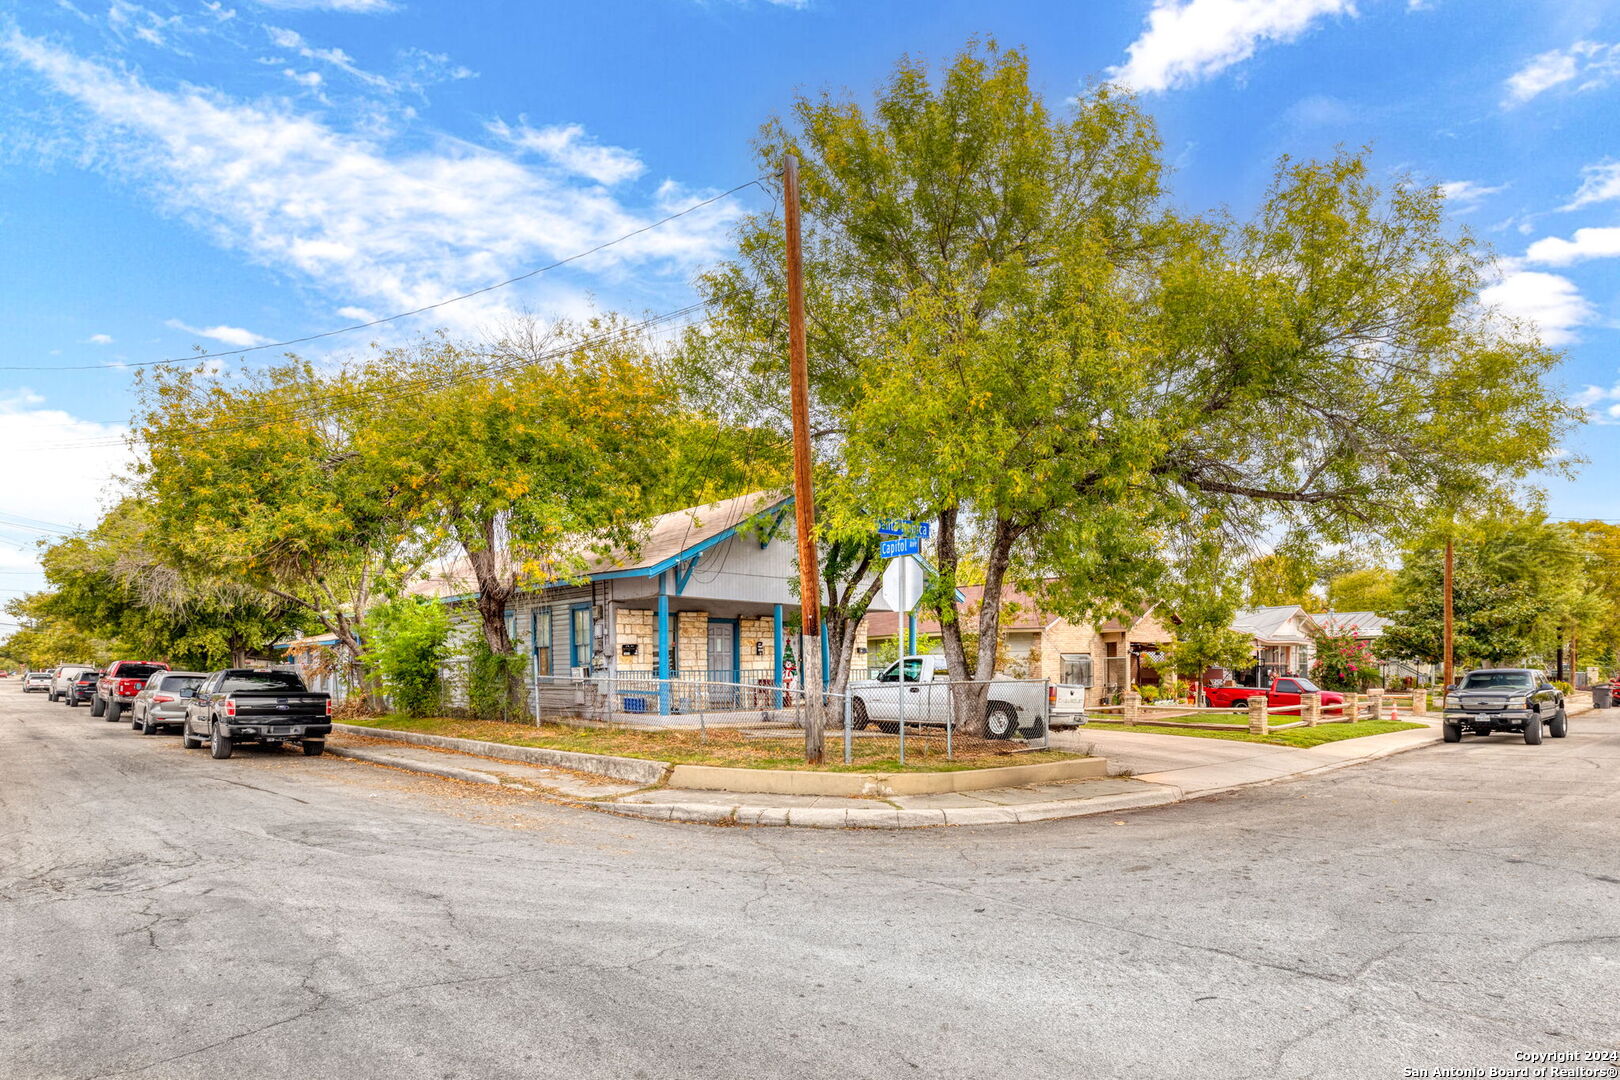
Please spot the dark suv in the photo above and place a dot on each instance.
(82, 688)
(1504, 699)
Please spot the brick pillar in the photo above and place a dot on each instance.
(1352, 707)
(1311, 709)
(1259, 723)
(1133, 706)
(1420, 701)
(1376, 698)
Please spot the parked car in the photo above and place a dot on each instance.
(37, 680)
(1285, 690)
(83, 687)
(247, 704)
(162, 701)
(118, 685)
(1504, 699)
(1014, 708)
(1066, 705)
(63, 677)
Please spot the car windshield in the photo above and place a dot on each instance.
(913, 671)
(1499, 680)
(263, 680)
(1308, 687)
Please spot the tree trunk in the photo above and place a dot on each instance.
(496, 587)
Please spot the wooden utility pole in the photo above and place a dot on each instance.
(803, 501)
(1446, 646)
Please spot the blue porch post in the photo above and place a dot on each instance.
(663, 647)
(826, 657)
(911, 634)
(776, 634)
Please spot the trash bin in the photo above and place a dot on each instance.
(1602, 697)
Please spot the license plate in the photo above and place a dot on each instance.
(282, 730)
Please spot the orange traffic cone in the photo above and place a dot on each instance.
(1394, 717)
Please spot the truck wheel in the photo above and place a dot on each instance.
(219, 744)
(1240, 704)
(97, 706)
(1451, 732)
(1532, 731)
(858, 716)
(314, 748)
(115, 709)
(1559, 726)
(1000, 721)
(187, 739)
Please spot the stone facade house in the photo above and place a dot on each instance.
(1107, 657)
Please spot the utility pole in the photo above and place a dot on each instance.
(804, 506)
(1450, 555)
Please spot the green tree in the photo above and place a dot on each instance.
(409, 644)
(45, 639)
(1009, 334)
(1370, 589)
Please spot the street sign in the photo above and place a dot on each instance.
(902, 585)
(909, 545)
(922, 530)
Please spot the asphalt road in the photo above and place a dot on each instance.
(166, 915)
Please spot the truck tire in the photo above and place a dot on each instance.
(115, 709)
(1559, 726)
(1239, 704)
(1451, 732)
(1000, 721)
(219, 744)
(187, 739)
(97, 706)
(314, 747)
(1532, 731)
(858, 716)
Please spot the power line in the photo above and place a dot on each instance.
(404, 314)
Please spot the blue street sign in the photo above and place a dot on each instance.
(921, 530)
(909, 545)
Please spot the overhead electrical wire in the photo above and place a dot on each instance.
(199, 357)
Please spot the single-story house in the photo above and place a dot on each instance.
(1284, 639)
(1109, 657)
(703, 600)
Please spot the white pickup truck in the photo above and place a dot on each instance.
(1016, 708)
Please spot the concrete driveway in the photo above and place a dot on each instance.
(165, 916)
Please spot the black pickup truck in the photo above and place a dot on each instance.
(249, 705)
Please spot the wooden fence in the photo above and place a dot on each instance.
(1373, 705)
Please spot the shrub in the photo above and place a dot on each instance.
(1564, 686)
(1150, 694)
(1344, 662)
(494, 682)
(407, 645)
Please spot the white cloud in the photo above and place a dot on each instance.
(356, 7)
(99, 339)
(1586, 244)
(1589, 64)
(1599, 183)
(1602, 406)
(569, 148)
(357, 314)
(43, 442)
(374, 225)
(1550, 301)
(1189, 40)
(229, 335)
(1465, 195)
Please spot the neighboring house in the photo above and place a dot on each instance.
(1369, 627)
(1108, 657)
(705, 598)
(1284, 641)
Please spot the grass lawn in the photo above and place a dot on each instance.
(729, 748)
(1301, 737)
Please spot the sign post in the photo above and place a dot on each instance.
(902, 588)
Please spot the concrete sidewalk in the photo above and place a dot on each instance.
(1150, 770)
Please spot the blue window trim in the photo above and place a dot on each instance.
(573, 637)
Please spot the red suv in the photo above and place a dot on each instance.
(118, 685)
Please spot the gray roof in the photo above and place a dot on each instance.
(1366, 624)
(1266, 623)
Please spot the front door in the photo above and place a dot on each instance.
(722, 661)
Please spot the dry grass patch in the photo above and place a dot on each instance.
(730, 748)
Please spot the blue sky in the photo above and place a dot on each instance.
(177, 173)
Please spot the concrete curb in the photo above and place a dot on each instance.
(641, 771)
(889, 817)
(471, 776)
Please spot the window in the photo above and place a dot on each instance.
(913, 671)
(177, 683)
(540, 640)
(1076, 669)
(261, 680)
(579, 636)
(1287, 686)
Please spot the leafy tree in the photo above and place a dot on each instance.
(1371, 589)
(409, 644)
(1282, 577)
(1010, 335)
(1600, 640)
(257, 480)
(45, 639)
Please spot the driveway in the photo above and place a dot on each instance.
(164, 915)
